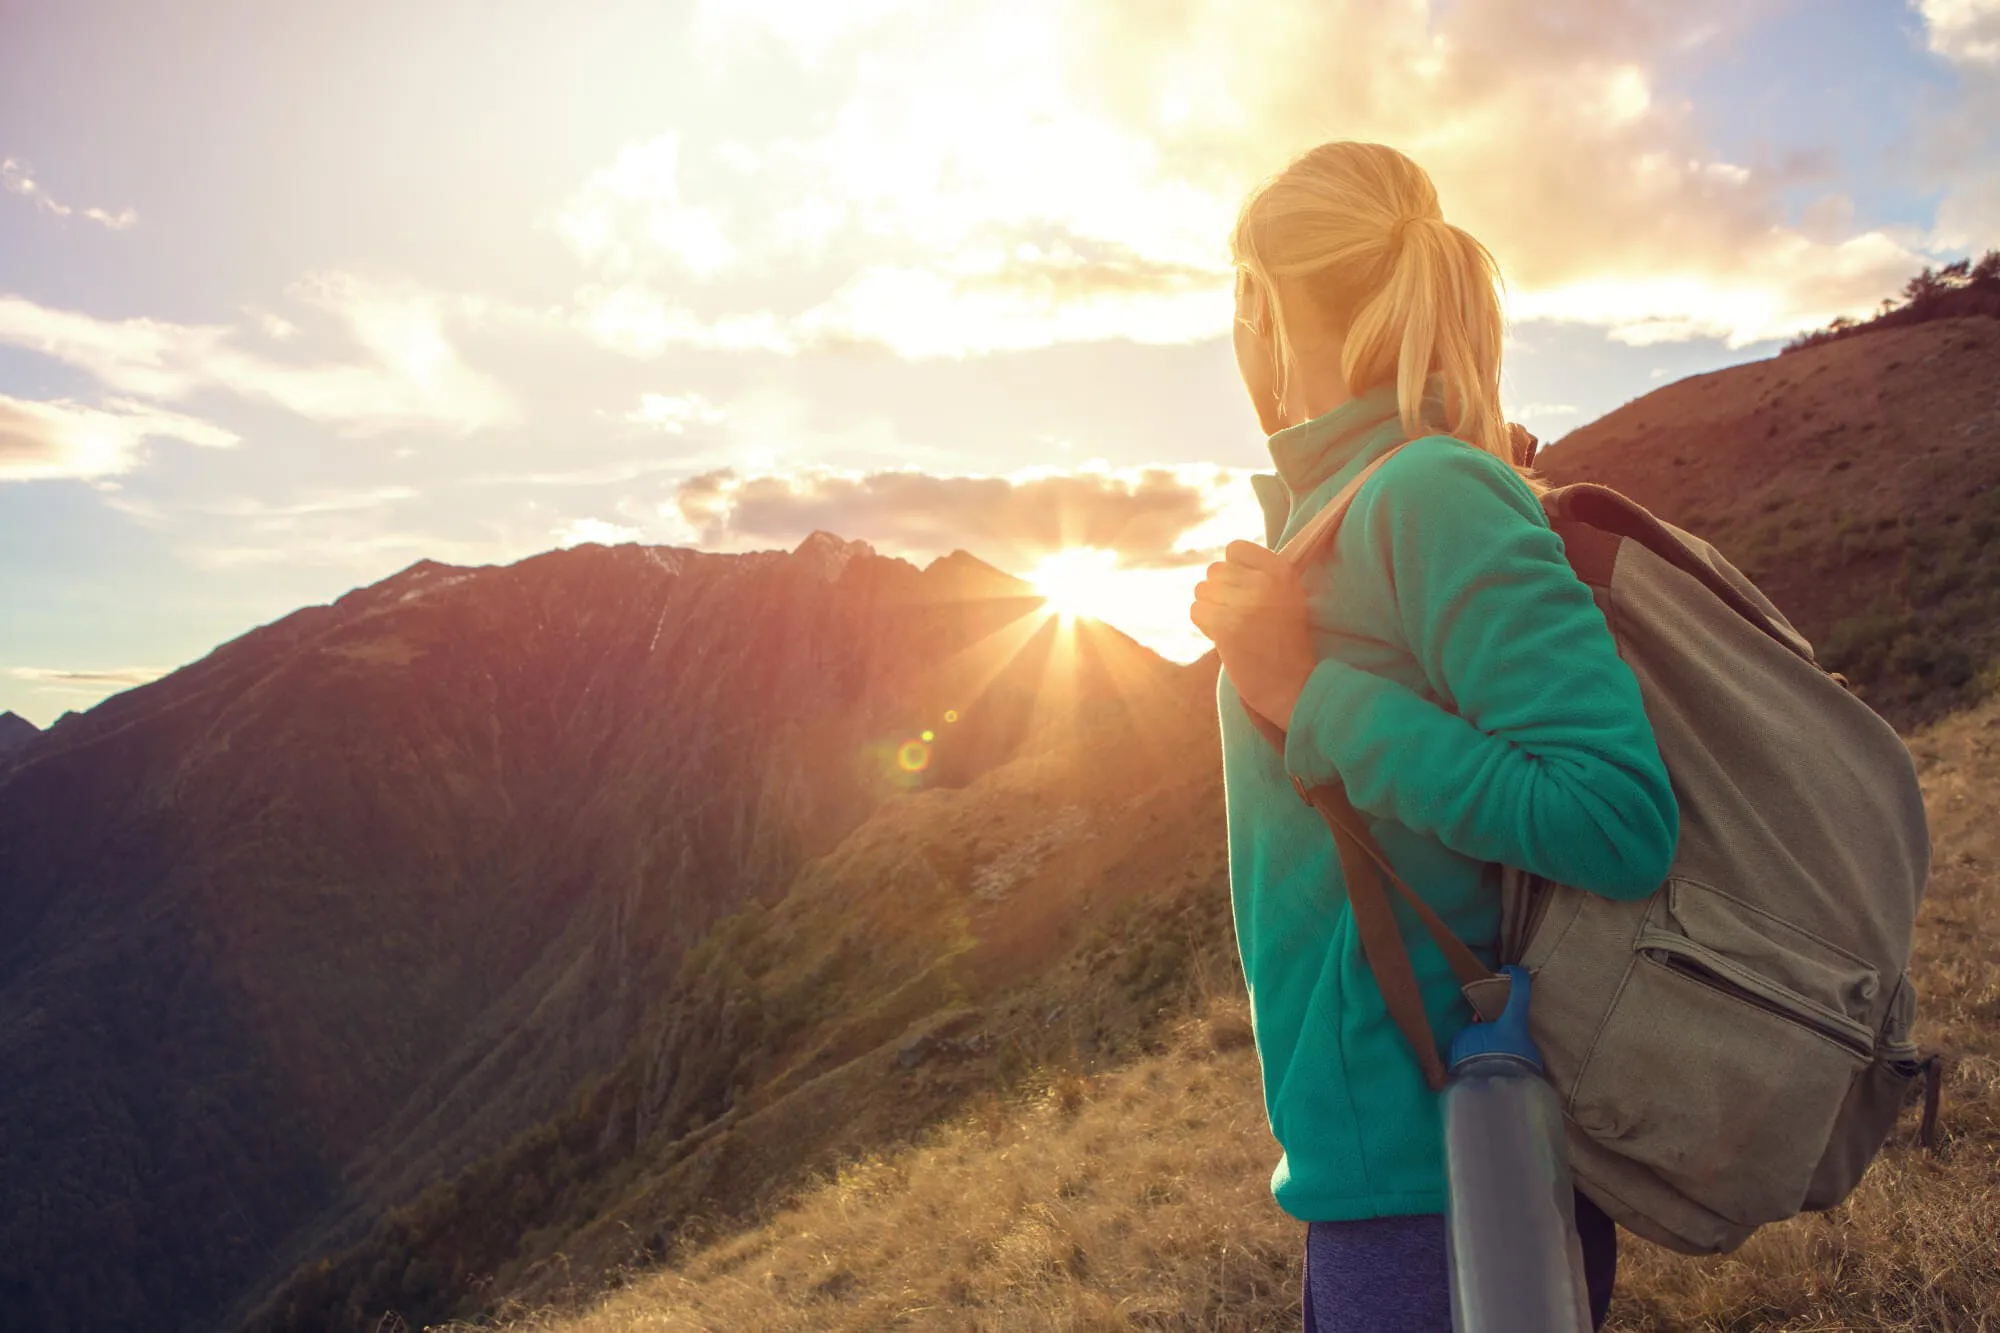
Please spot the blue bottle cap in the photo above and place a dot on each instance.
(1505, 1035)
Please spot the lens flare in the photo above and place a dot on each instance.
(930, 736)
(914, 757)
(951, 715)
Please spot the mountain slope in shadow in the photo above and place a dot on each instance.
(360, 896)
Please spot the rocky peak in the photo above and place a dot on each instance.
(964, 575)
(16, 731)
(827, 555)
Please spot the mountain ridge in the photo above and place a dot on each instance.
(412, 864)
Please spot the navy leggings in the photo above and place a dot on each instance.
(1389, 1275)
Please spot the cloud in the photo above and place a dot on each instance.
(596, 530)
(96, 683)
(1963, 30)
(634, 216)
(410, 376)
(977, 177)
(672, 414)
(272, 516)
(366, 532)
(1152, 517)
(370, 555)
(16, 178)
(968, 307)
(601, 474)
(1959, 143)
(1535, 411)
(44, 440)
(639, 321)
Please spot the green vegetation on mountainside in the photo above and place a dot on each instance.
(958, 945)
(1954, 291)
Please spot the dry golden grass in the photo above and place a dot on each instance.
(1137, 1198)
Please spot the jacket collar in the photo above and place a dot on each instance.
(1276, 503)
(1312, 451)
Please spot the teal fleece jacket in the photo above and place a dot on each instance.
(1471, 698)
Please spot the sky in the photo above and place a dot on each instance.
(294, 296)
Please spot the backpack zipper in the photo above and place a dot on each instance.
(1682, 955)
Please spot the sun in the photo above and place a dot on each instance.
(1079, 581)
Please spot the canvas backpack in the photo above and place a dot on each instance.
(1734, 1048)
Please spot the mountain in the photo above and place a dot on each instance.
(361, 896)
(15, 732)
(1858, 481)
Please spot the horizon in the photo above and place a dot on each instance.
(422, 561)
(284, 314)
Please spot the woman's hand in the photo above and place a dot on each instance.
(1253, 607)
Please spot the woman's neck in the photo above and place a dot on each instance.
(1314, 388)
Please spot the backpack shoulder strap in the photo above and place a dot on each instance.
(1319, 530)
(1363, 864)
(1365, 867)
(1590, 506)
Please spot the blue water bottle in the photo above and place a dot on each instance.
(1516, 1261)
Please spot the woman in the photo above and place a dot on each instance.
(1442, 661)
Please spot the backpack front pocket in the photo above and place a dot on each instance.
(1729, 1094)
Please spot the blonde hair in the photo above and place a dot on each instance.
(1356, 227)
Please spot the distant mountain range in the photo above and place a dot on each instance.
(490, 929)
(363, 894)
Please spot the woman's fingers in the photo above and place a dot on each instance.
(1237, 586)
(1216, 622)
(1233, 575)
(1251, 581)
(1230, 597)
(1260, 558)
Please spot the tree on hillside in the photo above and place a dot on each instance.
(1959, 288)
(1923, 289)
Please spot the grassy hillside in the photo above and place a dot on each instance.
(1132, 1195)
(1858, 481)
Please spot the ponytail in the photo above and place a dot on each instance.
(1357, 228)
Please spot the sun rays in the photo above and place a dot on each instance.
(1079, 581)
(1042, 660)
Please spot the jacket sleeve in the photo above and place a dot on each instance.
(1541, 755)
